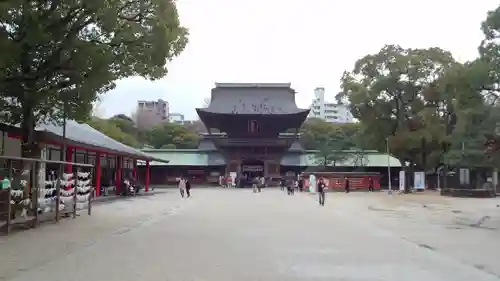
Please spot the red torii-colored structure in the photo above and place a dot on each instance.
(84, 137)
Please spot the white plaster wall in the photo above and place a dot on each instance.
(55, 154)
(12, 147)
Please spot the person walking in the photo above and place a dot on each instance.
(188, 188)
(321, 191)
(255, 183)
(182, 186)
(347, 185)
(370, 184)
(262, 182)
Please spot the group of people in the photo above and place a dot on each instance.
(184, 187)
(291, 185)
(258, 183)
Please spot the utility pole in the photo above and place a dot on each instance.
(389, 166)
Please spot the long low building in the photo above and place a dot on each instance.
(206, 164)
(112, 161)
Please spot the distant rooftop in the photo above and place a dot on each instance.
(253, 85)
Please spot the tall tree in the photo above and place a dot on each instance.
(63, 54)
(395, 96)
(486, 76)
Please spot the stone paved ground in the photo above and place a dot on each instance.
(227, 234)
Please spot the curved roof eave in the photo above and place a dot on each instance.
(86, 135)
(298, 111)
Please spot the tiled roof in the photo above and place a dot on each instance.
(85, 134)
(195, 157)
(185, 157)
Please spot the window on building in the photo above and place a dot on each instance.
(253, 126)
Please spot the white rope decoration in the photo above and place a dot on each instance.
(67, 183)
(66, 193)
(50, 183)
(16, 193)
(83, 174)
(83, 189)
(45, 191)
(83, 183)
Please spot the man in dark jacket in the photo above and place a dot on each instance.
(321, 191)
(188, 188)
(347, 185)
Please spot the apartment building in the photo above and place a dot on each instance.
(151, 113)
(329, 111)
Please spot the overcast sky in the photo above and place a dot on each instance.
(308, 43)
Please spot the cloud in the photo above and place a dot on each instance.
(309, 44)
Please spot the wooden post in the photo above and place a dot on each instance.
(75, 191)
(91, 194)
(34, 190)
(9, 207)
(146, 182)
(58, 191)
(97, 174)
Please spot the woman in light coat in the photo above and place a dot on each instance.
(182, 186)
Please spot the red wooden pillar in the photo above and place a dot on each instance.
(98, 174)
(135, 169)
(146, 183)
(118, 179)
(69, 158)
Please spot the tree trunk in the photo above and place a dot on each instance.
(29, 147)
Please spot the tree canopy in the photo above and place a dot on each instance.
(429, 108)
(167, 135)
(171, 135)
(395, 94)
(330, 141)
(58, 56)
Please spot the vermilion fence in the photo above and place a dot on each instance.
(336, 181)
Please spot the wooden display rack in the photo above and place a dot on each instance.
(31, 191)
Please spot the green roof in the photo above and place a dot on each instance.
(195, 157)
(185, 157)
(357, 159)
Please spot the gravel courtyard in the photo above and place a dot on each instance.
(233, 235)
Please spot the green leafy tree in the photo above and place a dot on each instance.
(127, 125)
(394, 95)
(327, 140)
(110, 129)
(172, 134)
(397, 97)
(60, 55)
(315, 127)
(486, 77)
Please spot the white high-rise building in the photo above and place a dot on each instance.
(329, 111)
